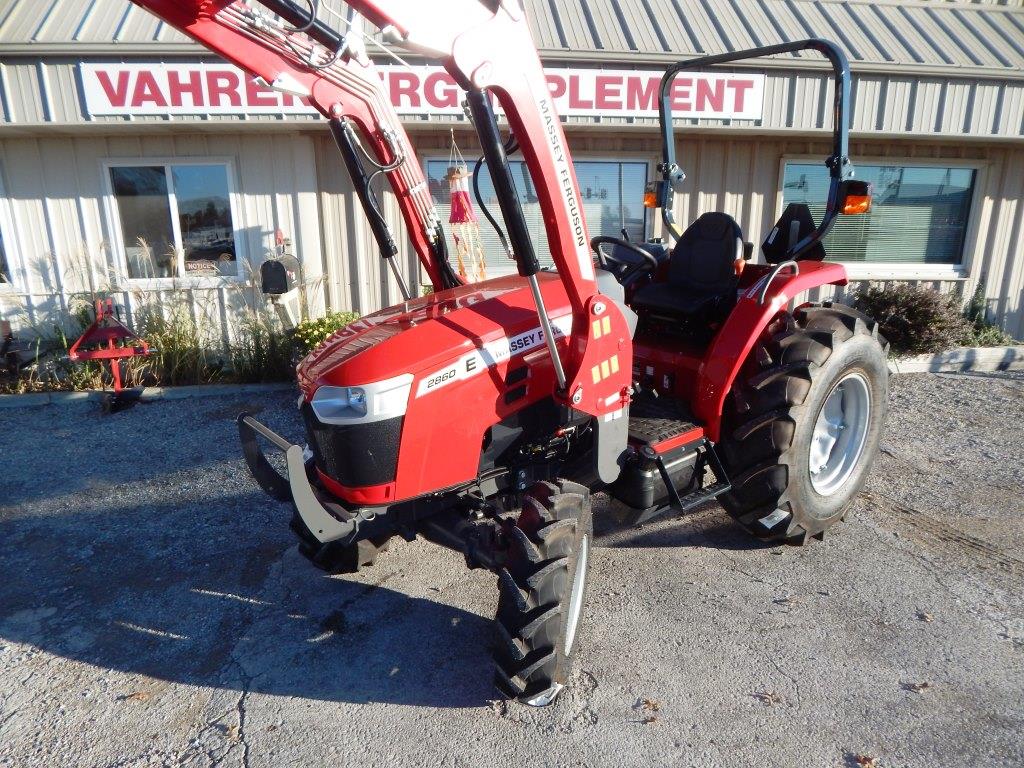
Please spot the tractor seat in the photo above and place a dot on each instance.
(701, 271)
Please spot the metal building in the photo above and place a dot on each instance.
(131, 161)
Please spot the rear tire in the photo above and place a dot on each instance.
(803, 422)
(542, 590)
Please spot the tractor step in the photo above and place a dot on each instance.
(662, 423)
(667, 441)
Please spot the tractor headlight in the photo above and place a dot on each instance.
(365, 403)
(357, 400)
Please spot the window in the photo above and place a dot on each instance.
(175, 220)
(919, 215)
(612, 193)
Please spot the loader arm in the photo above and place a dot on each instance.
(487, 47)
(349, 89)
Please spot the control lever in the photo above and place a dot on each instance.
(638, 389)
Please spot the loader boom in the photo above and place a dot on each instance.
(487, 47)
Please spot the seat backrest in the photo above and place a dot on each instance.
(794, 225)
(704, 257)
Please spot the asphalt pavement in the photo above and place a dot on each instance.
(154, 611)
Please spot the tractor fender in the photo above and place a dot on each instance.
(732, 344)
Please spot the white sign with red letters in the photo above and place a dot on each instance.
(221, 89)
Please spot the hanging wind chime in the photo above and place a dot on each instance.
(469, 251)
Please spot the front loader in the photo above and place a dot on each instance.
(483, 416)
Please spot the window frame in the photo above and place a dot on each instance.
(113, 215)
(650, 222)
(873, 270)
(8, 230)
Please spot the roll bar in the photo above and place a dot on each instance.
(839, 164)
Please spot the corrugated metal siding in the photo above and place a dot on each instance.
(974, 36)
(950, 68)
(101, 22)
(61, 241)
(977, 37)
(296, 182)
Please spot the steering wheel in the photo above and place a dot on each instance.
(629, 269)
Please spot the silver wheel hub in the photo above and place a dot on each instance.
(840, 433)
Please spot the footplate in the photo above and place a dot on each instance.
(662, 423)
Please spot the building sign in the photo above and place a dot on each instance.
(221, 89)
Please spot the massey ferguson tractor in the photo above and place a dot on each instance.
(483, 416)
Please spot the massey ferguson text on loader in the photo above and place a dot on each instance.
(638, 372)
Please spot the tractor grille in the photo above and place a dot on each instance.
(355, 455)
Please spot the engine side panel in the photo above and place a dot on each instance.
(467, 349)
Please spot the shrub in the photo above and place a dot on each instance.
(182, 355)
(916, 320)
(310, 334)
(982, 332)
(261, 353)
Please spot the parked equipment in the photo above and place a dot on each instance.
(483, 416)
(108, 339)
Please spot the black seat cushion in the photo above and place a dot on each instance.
(668, 299)
(701, 273)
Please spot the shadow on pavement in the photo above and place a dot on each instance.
(138, 543)
(218, 596)
(707, 526)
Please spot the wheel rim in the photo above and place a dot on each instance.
(576, 596)
(840, 433)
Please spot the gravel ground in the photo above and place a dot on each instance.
(154, 611)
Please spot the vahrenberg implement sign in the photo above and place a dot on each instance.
(221, 89)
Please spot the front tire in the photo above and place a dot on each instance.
(542, 589)
(803, 422)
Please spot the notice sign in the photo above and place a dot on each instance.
(221, 89)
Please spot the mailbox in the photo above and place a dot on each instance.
(280, 275)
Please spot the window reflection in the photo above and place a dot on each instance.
(198, 196)
(919, 214)
(204, 216)
(611, 194)
(5, 276)
(145, 212)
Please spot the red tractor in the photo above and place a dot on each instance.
(482, 417)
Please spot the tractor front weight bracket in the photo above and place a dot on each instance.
(331, 535)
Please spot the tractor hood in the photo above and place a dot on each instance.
(422, 336)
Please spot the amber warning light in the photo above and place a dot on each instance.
(856, 198)
(650, 196)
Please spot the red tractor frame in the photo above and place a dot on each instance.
(483, 416)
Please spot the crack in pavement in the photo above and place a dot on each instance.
(784, 673)
(241, 712)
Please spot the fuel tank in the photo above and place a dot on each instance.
(397, 404)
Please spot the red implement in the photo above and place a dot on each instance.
(107, 338)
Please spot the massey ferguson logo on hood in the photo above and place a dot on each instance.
(493, 352)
